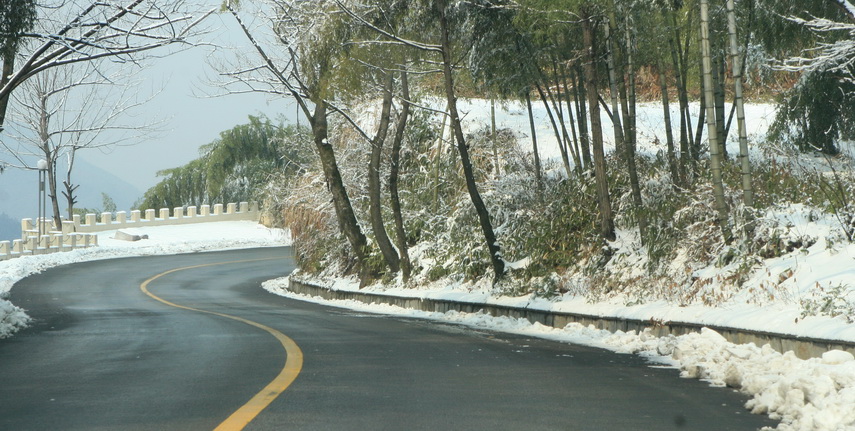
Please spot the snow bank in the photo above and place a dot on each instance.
(162, 240)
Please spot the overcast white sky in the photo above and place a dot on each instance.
(193, 119)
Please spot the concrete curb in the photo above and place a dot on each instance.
(803, 347)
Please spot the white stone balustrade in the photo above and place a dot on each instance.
(74, 234)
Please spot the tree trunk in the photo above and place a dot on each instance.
(669, 135)
(718, 86)
(702, 116)
(496, 168)
(347, 223)
(617, 127)
(49, 155)
(8, 68)
(400, 233)
(438, 159)
(557, 107)
(375, 207)
(680, 75)
(52, 192)
(537, 169)
(623, 140)
(561, 147)
(483, 214)
(607, 227)
(736, 64)
(712, 129)
(569, 100)
(618, 71)
(580, 94)
(630, 88)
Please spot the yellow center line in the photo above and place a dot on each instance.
(293, 363)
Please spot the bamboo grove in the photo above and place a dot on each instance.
(405, 61)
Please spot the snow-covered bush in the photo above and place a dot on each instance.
(818, 112)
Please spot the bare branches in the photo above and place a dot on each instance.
(74, 108)
(281, 75)
(118, 29)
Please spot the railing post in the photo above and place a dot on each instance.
(26, 226)
(135, 216)
(191, 212)
(149, 215)
(206, 210)
(164, 213)
(218, 209)
(90, 220)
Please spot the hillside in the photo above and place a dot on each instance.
(792, 275)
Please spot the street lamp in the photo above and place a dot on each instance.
(42, 166)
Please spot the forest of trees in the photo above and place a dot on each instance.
(387, 180)
(383, 185)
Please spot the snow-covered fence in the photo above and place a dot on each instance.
(80, 232)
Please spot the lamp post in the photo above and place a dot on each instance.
(42, 166)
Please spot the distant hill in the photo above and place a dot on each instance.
(19, 194)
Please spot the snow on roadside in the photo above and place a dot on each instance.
(805, 395)
(163, 240)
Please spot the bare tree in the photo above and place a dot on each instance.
(122, 30)
(64, 110)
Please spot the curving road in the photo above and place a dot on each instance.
(105, 355)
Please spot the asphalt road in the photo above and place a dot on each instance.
(103, 355)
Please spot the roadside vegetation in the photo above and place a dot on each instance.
(395, 182)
